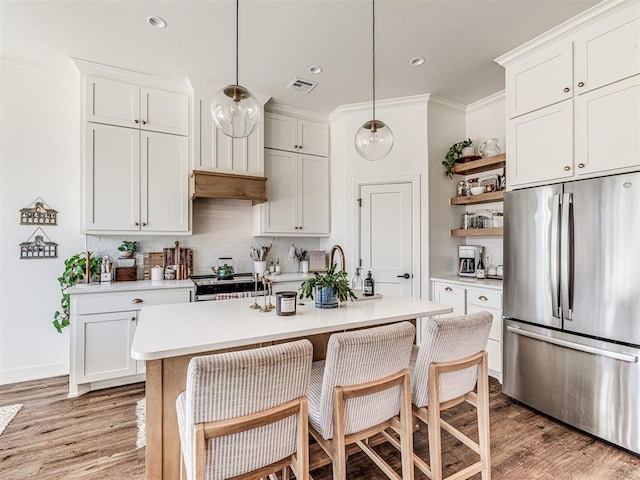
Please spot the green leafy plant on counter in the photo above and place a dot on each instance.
(336, 279)
(74, 272)
(453, 154)
(130, 247)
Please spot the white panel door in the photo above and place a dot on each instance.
(165, 182)
(280, 211)
(112, 103)
(386, 234)
(103, 348)
(313, 138)
(313, 194)
(280, 132)
(540, 145)
(542, 79)
(608, 50)
(450, 295)
(163, 111)
(112, 195)
(608, 127)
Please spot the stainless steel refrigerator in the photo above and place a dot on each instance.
(572, 304)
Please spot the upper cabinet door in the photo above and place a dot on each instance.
(163, 111)
(542, 79)
(313, 138)
(280, 132)
(113, 103)
(608, 50)
(313, 215)
(540, 145)
(281, 211)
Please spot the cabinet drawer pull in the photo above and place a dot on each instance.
(581, 84)
(448, 289)
(137, 300)
(483, 298)
(581, 165)
(566, 89)
(567, 168)
(133, 319)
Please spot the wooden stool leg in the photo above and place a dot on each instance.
(433, 412)
(406, 424)
(483, 417)
(339, 449)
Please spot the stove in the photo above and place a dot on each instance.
(209, 287)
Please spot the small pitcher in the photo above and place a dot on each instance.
(489, 148)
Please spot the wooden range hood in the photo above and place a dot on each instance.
(229, 186)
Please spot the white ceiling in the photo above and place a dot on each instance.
(280, 39)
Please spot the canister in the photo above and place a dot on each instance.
(286, 303)
(157, 273)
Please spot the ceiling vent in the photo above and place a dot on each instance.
(302, 85)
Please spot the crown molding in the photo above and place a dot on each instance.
(390, 102)
(448, 104)
(39, 68)
(486, 102)
(563, 30)
(296, 112)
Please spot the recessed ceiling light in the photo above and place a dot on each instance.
(157, 22)
(416, 61)
(315, 69)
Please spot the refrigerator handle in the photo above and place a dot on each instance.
(566, 264)
(555, 257)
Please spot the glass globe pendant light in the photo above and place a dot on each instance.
(234, 109)
(374, 139)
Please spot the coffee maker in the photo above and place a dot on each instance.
(468, 257)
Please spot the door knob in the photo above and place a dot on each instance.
(406, 275)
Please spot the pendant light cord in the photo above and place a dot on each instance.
(373, 49)
(237, 36)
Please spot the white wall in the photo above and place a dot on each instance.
(39, 157)
(485, 119)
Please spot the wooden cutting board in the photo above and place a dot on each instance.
(360, 296)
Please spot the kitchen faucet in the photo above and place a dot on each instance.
(334, 249)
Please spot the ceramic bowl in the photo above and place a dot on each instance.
(477, 190)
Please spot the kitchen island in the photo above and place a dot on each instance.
(168, 336)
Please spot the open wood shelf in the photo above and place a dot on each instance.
(475, 199)
(476, 232)
(482, 165)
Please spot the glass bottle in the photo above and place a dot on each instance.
(369, 286)
(480, 268)
(272, 268)
(356, 281)
(277, 266)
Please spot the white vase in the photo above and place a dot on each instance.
(259, 267)
(304, 266)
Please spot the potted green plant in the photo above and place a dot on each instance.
(453, 154)
(328, 288)
(127, 249)
(75, 269)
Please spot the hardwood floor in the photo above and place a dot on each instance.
(94, 437)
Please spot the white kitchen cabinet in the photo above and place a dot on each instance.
(541, 79)
(214, 151)
(128, 105)
(298, 195)
(103, 324)
(293, 134)
(607, 127)
(469, 296)
(135, 181)
(573, 98)
(540, 145)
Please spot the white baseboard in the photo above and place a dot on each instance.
(34, 373)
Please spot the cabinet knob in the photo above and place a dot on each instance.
(566, 89)
(581, 84)
(136, 121)
(137, 224)
(144, 224)
(483, 298)
(581, 165)
(137, 300)
(133, 319)
(144, 122)
(448, 289)
(567, 168)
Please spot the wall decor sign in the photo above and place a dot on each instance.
(38, 213)
(317, 261)
(38, 245)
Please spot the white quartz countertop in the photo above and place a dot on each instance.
(289, 277)
(129, 286)
(470, 282)
(186, 328)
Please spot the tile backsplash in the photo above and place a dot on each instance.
(221, 228)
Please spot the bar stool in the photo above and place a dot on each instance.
(444, 373)
(358, 392)
(243, 414)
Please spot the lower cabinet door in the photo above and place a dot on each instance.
(104, 346)
(452, 296)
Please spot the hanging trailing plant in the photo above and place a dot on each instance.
(453, 154)
(74, 272)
